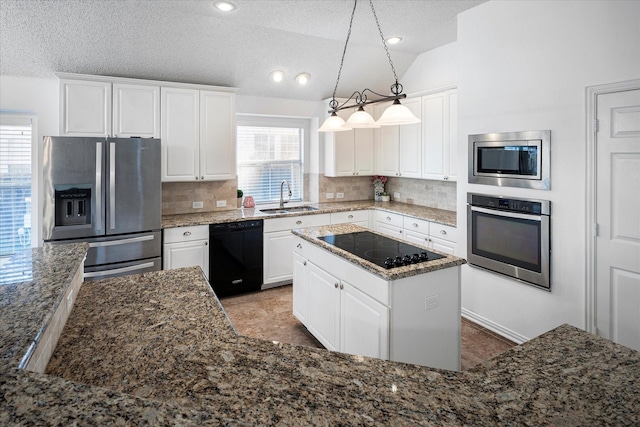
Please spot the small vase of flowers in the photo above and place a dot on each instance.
(378, 182)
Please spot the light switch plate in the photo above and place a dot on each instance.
(339, 195)
(221, 203)
(198, 205)
(329, 195)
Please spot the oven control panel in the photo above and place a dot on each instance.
(538, 207)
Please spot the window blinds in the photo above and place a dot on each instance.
(15, 184)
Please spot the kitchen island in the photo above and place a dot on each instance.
(352, 300)
(158, 349)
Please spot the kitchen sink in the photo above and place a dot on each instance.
(292, 209)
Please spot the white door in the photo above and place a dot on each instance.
(136, 111)
(618, 218)
(217, 136)
(86, 108)
(187, 254)
(364, 151)
(278, 264)
(323, 309)
(410, 143)
(300, 297)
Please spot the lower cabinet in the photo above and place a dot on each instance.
(340, 316)
(186, 247)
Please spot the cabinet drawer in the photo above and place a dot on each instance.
(349, 217)
(445, 232)
(416, 225)
(186, 234)
(389, 218)
(300, 221)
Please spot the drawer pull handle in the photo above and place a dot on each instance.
(350, 216)
(341, 286)
(299, 245)
(388, 218)
(335, 285)
(415, 224)
(304, 262)
(186, 233)
(443, 232)
(298, 222)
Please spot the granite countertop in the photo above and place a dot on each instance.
(158, 349)
(311, 234)
(422, 212)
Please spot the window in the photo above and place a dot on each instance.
(16, 140)
(270, 150)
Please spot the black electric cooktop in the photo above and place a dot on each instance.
(380, 250)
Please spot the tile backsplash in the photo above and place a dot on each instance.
(434, 194)
(353, 188)
(178, 197)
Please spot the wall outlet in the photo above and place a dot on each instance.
(329, 195)
(221, 203)
(198, 205)
(396, 196)
(339, 195)
(431, 302)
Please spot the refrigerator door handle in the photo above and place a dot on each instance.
(112, 185)
(98, 186)
(121, 241)
(116, 271)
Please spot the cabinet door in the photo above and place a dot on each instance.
(217, 136)
(179, 132)
(187, 254)
(389, 150)
(443, 245)
(364, 324)
(417, 238)
(433, 125)
(136, 111)
(85, 108)
(410, 143)
(323, 310)
(364, 151)
(389, 230)
(340, 150)
(451, 155)
(278, 265)
(300, 291)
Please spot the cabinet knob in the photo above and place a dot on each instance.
(341, 286)
(202, 178)
(335, 285)
(443, 232)
(196, 178)
(388, 218)
(415, 225)
(186, 233)
(304, 262)
(350, 216)
(298, 222)
(299, 245)
(206, 243)
(446, 178)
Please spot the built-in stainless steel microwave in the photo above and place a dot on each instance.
(511, 159)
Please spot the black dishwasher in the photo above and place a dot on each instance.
(235, 257)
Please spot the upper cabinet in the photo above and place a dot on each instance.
(85, 108)
(440, 133)
(196, 123)
(349, 153)
(198, 135)
(399, 147)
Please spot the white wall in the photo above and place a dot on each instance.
(524, 66)
(38, 97)
(433, 69)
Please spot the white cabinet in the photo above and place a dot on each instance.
(360, 218)
(323, 310)
(136, 110)
(186, 247)
(300, 286)
(102, 108)
(85, 108)
(440, 124)
(430, 234)
(198, 135)
(389, 223)
(349, 153)
(399, 147)
(278, 245)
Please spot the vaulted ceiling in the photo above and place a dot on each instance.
(192, 41)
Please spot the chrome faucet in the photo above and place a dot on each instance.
(282, 202)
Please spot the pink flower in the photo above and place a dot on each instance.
(377, 180)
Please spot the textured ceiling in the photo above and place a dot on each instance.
(191, 41)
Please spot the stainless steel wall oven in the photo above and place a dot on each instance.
(510, 236)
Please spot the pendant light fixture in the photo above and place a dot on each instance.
(396, 114)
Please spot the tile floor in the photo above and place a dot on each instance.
(267, 315)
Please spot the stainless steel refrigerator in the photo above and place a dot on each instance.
(105, 191)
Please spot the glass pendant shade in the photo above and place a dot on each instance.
(397, 114)
(361, 119)
(334, 123)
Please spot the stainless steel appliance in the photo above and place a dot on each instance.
(510, 236)
(380, 250)
(235, 257)
(105, 191)
(511, 159)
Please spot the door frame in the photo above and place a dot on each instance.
(592, 93)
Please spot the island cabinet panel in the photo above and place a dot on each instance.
(300, 285)
(323, 310)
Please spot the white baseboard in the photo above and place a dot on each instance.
(498, 329)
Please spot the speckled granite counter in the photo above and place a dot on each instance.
(157, 349)
(311, 234)
(422, 212)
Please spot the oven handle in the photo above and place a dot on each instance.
(530, 217)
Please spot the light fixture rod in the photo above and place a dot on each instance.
(361, 100)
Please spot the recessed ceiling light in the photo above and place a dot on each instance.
(277, 76)
(303, 78)
(224, 6)
(394, 40)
